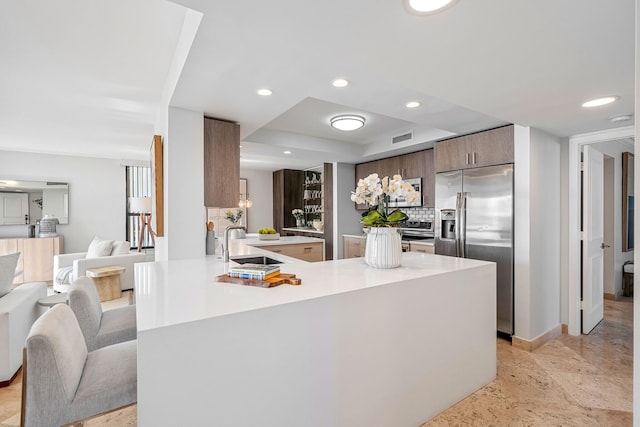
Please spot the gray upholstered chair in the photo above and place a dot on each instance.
(63, 382)
(18, 310)
(100, 328)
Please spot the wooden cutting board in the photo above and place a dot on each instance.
(280, 279)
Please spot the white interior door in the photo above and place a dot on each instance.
(13, 208)
(593, 240)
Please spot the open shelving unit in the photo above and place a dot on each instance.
(312, 195)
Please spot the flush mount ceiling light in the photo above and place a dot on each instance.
(412, 104)
(287, 152)
(264, 92)
(347, 122)
(600, 101)
(340, 82)
(426, 7)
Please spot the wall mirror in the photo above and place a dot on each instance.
(26, 202)
(627, 201)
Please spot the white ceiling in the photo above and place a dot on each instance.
(87, 77)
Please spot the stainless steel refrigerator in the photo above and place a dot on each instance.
(474, 219)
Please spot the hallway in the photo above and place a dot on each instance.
(571, 381)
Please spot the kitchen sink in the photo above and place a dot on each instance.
(264, 260)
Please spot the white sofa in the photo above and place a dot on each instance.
(19, 309)
(80, 265)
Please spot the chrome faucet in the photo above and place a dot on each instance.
(226, 239)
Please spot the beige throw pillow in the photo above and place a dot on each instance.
(99, 248)
(7, 271)
(120, 248)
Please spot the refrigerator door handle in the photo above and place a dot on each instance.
(457, 224)
(461, 224)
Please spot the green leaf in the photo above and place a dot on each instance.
(372, 218)
(396, 216)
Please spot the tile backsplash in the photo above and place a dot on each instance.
(219, 218)
(420, 214)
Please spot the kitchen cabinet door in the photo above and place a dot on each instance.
(451, 155)
(311, 252)
(363, 170)
(221, 163)
(353, 247)
(410, 165)
(390, 166)
(493, 147)
(489, 148)
(38, 258)
(421, 247)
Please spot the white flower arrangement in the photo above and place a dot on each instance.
(377, 193)
(297, 213)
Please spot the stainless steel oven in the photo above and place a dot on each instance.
(416, 230)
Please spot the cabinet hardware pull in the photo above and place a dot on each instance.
(467, 158)
(473, 157)
(307, 249)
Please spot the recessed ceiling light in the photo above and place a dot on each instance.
(287, 152)
(347, 122)
(600, 101)
(412, 104)
(426, 7)
(264, 92)
(340, 82)
(620, 118)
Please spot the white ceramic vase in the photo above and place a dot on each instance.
(384, 247)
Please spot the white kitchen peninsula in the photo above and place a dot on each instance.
(351, 346)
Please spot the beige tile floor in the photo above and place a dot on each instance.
(571, 381)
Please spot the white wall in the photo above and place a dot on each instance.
(260, 189)
(346, 220)
(97, 194)
(537, 231)
(545, 232)
(185, 214)
(564, 234)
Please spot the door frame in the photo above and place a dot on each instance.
(575, 147)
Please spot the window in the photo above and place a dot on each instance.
(138, 185)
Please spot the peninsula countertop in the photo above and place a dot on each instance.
(351, 345)
(180, 291)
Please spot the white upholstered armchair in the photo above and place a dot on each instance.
(69, 267)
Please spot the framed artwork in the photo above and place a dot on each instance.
(156, 188)
(627, 201)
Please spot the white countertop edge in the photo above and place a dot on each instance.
(186, 290)
(303, 230)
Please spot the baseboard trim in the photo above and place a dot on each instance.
(541, 339)
(10, 380)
